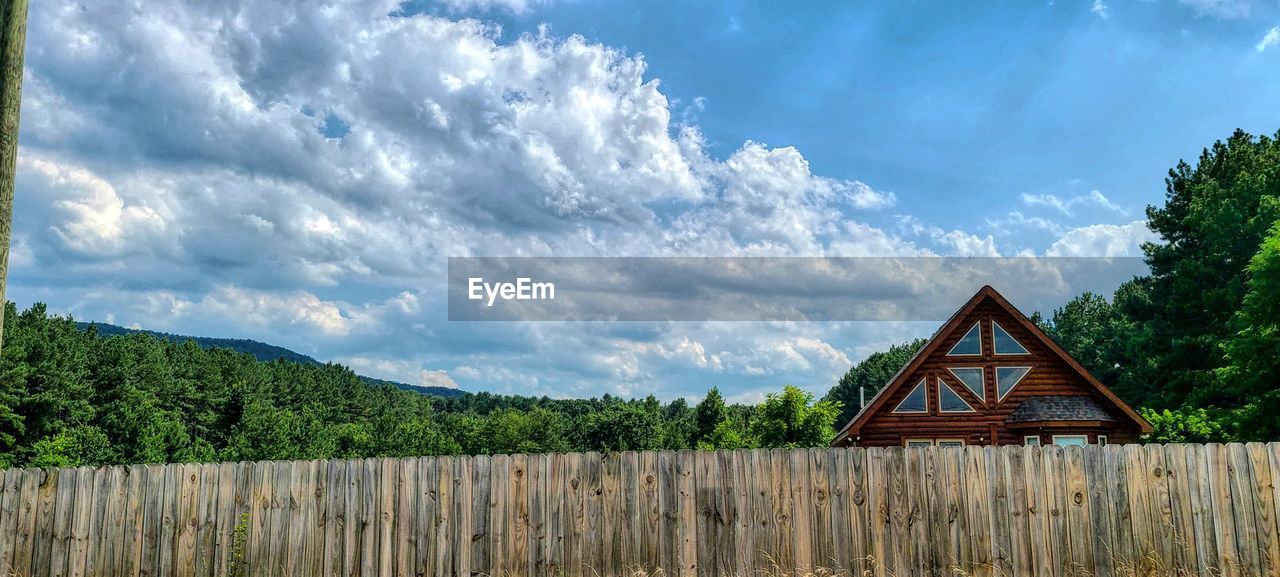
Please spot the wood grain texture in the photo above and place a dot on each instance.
(986, 511)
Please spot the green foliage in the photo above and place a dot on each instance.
(708, 415)
(871, 374)
(1184, 426)
(72, 397)
(793, 419)
(1252, 368)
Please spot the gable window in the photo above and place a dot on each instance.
(970, 344)
(950, 402)
(972, 377)
(1004, 343)
(1007, 378)
(1071, 440)
(1031, 440)
(916, 401)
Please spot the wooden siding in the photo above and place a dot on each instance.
(983, 511)
(1049, 376)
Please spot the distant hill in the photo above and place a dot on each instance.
(263, 352)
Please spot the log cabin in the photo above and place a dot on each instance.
(990, 376)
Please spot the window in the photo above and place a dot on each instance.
(916, 401)
(1005, 344)
(950, 402)
(950, 443)
(919, 443)
(970, 344)
(1007, 378)
(1102, 439)
(972, 377)
(1071, 440)
(1031, 440)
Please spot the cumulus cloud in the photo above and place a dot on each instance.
(277, 171)
(1106, 240)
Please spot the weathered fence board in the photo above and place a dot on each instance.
(983, 511)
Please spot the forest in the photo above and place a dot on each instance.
(1195, 344)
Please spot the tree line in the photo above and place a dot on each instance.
(71, 397)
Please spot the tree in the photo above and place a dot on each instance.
(871, 374)
(1252, 368)
(792, 419)
(1183, 426)
(708, 415)
(1213, 221)
(621, 427)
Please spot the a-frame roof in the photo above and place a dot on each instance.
(953, 324)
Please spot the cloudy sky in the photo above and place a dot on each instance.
(298, 172)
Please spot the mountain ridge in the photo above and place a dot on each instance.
(265, 352)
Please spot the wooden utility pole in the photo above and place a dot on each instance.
(13, 41)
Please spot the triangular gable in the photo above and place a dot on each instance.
(954, 324)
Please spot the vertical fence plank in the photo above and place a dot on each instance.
(1264, 518)
(428, 502)
(999, 523)
(1100, 518)
(518, 516)
(556, 515)
(406, 517)
(924, 507)
(1242, 500)
(9, 501)
(1180, 509)
(481, 502)
(460, 523)
(64, 515)
(539, 544)
(878, 491)
(499, 466)
(762, 508)
(780, 478)
(707, 476)
(42, 535)
(978, 505)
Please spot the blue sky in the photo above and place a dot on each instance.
(298, 174)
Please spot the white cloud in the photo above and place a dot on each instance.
(1270, 39)
(1225, 9)
(1100, 8)
(217, 190)
(1104, 240)
(1067, 205)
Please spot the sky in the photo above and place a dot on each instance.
(299, 172)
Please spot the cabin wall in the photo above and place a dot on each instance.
(1049, 376)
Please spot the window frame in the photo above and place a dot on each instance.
(914, 443)
(977, 325)
(939, 442)
(1103, 440)
(923, 383)
(996, 351)
(1037, 442)
(996, 370)
(1056, 437)
(942, 410)
(982, 371)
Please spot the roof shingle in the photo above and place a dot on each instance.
(1059, 408)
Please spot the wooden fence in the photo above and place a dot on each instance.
(1107, 511)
